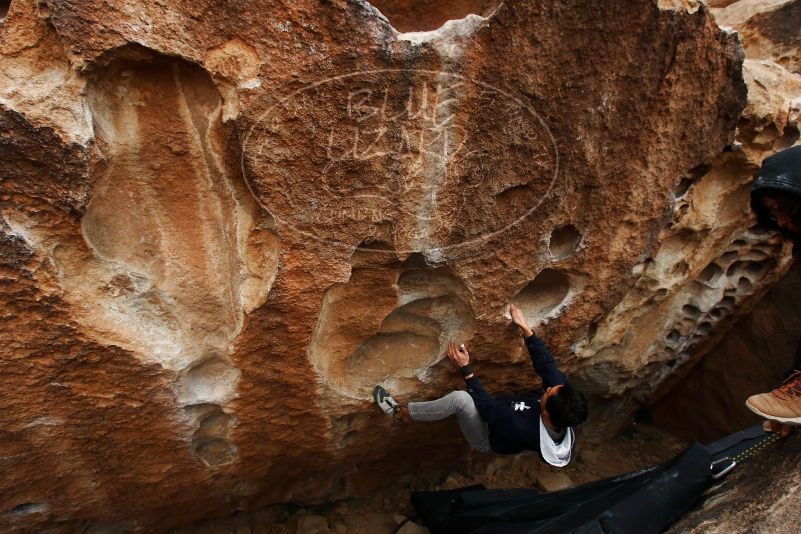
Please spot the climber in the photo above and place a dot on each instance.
(540, 420)
(776, 199)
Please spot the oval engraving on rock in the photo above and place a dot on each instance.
(427, 160)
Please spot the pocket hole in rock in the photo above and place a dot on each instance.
(211, 441)
(753, 270)
(214, 451)
(216, 425)
(432, 311)
(417, 309)
(704, 329)
(5, 5)
(727, 302)
(683, 187)
(756, 268)
(744, 284)
(659, 294)
(211, 381)
(691, 311)
(718, 313)
(711, 273)
(564, 241)
(757, 254)
(673, 337)
(680, 269)
(540, 297)
(592, 330)
(788, 138)
(695, 174)
(767, 249)
(27, 509)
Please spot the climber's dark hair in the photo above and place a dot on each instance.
(789, 203)
(567, 407)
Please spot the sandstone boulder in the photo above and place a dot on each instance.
(222, 224)
(752, 358)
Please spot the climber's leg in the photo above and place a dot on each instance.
(460, 404)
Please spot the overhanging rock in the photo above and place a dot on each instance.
(221, 224)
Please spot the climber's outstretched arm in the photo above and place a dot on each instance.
(541, 357)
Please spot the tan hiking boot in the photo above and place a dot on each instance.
(783, 404)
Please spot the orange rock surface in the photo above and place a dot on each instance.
(221, 224)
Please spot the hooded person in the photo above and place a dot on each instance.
(540, 420)
(776, 200)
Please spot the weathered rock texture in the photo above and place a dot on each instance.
(753, 357)
(683, 301)
(221, 224)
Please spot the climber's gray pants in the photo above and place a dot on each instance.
(460, 404)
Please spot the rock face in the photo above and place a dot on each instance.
(222, 225)
(754, 355)
(634, 355)
(769, 29)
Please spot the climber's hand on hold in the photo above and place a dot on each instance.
(520, 320)
(458, 354)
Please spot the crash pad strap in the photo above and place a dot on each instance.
(756, 447)
(732, 440)
(742, 445)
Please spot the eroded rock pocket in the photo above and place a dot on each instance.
(211, 441)
(5, 6)
(719, 288)
(543, 295)
(388, 324)
(564, 241)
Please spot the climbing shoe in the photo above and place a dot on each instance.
(385, 402)
(783, 404)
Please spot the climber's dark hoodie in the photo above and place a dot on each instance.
(780, 174)
(514, 421)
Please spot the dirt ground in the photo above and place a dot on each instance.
(389, 510)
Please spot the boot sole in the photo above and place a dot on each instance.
(793, 421)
